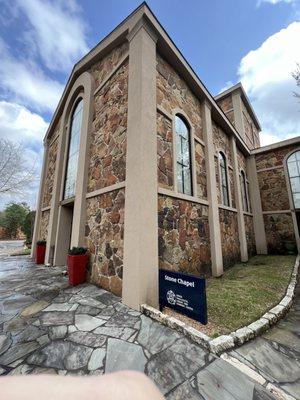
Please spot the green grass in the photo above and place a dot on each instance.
(246, 291)
(23, 252)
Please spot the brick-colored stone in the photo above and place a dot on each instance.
(229, 237)
(183, 236)
(104, 237)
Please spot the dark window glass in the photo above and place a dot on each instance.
(183, 162)
(244, 192)
(223, 180)
(73, 151)
(293, 164)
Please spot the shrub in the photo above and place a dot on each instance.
(76, 251)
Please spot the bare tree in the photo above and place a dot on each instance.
(296, 75)
(16, 172)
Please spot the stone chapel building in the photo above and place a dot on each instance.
(148, 170)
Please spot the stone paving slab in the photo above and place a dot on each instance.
(85, 330)
(276, 354)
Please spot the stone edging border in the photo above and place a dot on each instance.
(240, 336)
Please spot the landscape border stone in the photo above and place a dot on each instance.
(226, 342)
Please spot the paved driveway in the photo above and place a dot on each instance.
(48, 327)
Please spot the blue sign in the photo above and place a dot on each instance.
(184, 293)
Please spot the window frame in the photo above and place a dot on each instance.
(222, 155)
(69, 127)
(297, 162)
(184, 120)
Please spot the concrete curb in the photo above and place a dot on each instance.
(240, 336)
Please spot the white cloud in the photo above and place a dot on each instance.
(276, 1)
(24, 80)
(293, 4)
(57, 30)
(266, 75)
(20, 125)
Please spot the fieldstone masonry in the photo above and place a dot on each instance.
(279, 226)
(183, 236)
(104, 238)
(229, 237)
(108, 137)
(48, 188)
(182, 228)
(44, 225)
(164, 152)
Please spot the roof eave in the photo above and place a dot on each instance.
(273, 146)
(239, 87)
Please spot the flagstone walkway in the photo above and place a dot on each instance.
(276, 354)
(47, 326)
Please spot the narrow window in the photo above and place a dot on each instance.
(223, 179)
(293, 164)
(244, 192)
(73, 151)
(183, 153)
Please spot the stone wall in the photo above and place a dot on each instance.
(164, 152)
(274, 197)
(200, 165)
(218, 180)
(241, 161)
(250, 236)
(273, 158)
(229, 237)
(183, 236)
(108, 137)
(44, 225)
(273, 190)
(173, 92)
(104, 238)
(104, 67)
(222, 143)
(50, 169)
(227, 106)
(232, 188)
(280, 233)
(252, 135)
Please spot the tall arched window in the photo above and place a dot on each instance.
(73, 151)
(293, 163)
(223, 179)
(244, 192)
(183, 156)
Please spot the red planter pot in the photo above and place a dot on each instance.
(77, 268)
(40, 254)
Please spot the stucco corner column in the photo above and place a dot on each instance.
(38, 213)
(238, 201)
(214, 222)
(140, 273)
(258, 218)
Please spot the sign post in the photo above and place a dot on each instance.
(184, 293)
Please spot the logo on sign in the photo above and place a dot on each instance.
(183, 293)
(171, 297)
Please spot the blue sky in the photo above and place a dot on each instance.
(225, 41)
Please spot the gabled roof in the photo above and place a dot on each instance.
(239, 87)
(167, 48)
